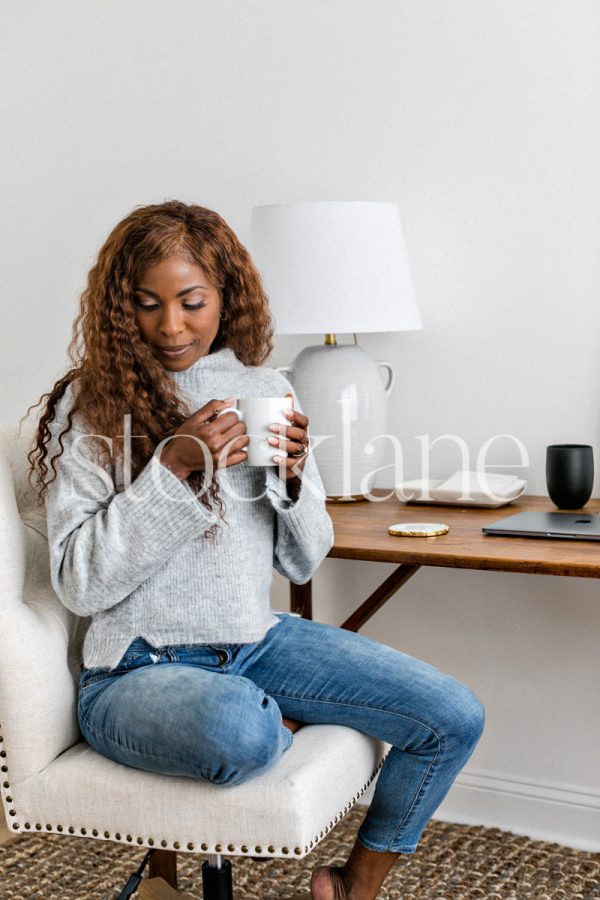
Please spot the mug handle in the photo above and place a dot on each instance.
(232, 409)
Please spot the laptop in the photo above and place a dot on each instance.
(567, 526)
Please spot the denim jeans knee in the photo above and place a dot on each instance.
(256, 747)
(467, 716)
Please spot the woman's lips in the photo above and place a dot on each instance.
(174, 353)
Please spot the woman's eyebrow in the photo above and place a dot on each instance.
(195, 287)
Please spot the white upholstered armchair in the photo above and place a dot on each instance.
(53, 782)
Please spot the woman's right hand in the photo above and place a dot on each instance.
(204, 436)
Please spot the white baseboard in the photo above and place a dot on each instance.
(559, 813)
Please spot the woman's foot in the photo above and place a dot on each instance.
(327, 884)
(359, 879)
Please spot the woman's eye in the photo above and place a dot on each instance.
(152, 306)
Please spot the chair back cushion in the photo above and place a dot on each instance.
(40, 640)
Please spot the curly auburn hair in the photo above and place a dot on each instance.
(116, 370)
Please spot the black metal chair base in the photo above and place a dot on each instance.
(217, 882)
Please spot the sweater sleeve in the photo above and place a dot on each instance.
(104, 544)
(303, 528)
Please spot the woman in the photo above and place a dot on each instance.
(186, 670)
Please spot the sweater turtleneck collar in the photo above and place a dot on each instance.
(223, 360)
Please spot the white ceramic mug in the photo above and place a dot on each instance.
(258, 413)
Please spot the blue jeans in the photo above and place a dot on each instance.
(215, 712)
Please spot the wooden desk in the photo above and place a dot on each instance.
(361, 532)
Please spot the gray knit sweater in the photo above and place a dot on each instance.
(135, 560)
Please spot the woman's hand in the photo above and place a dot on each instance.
(205, 436)
(294, 439)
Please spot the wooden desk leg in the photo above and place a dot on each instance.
(301, 599)
(163, 864)
(379, 596)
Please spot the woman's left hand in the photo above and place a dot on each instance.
(294, 439)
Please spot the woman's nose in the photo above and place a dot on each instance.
(170, 321)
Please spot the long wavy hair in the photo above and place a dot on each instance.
(116, 371)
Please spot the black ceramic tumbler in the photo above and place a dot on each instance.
(569, 474)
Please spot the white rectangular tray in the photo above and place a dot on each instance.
(415, 491)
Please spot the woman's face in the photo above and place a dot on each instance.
(177, 306)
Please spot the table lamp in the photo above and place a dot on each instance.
(337, 268)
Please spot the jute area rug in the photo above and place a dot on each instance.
(452, 861)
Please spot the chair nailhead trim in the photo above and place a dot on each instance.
(345, 810)
(204, 846)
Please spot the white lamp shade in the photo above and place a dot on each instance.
(334, 267)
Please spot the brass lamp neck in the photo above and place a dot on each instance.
(331, 341)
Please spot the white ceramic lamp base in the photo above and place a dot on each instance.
(342, 393)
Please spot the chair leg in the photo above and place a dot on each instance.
(216, 878)
(163, 864)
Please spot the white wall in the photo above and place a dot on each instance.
(481, 121)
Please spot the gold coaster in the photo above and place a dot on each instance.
(418, 529)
